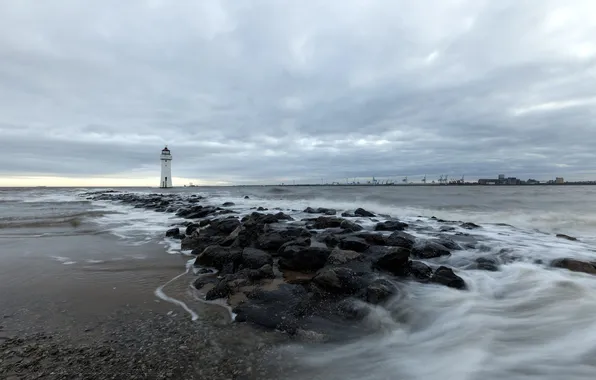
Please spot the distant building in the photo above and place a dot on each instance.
(501, 177)
(166, 168)
(559, 180)
(532, 181)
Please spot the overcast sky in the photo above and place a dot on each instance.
(274, 91)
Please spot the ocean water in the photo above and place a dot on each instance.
(525, 321)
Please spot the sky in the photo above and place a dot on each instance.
(272, 91)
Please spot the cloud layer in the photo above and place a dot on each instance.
(275, 91)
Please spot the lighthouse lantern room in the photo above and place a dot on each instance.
(166, 168)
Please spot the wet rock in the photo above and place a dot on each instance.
(298, 258)
(324, 222)
(251, 275)
(225, 226)
(220, 290)
(391, 225)
(429, 249)
(401, 239)
(342, 256)
(338, 280)
(217, 256)
(469, 226)
(320, 210)
(447, 242)
(363, 213)
(346, 214)
(173, 232)
(273, 240)
(192, 228)
(255, 258)
(567, 237)
(354, 244)
(196, 212)
(372, 238)
(246, 197)
(228, 204)
(574, 265)
(446, 229)
(394, 261)
(301, 241)
(379, 291)
(420, 270)
(274, 309)
(486, 263)
(330, 239)
(446, 276)
(260, 208)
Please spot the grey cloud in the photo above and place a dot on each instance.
(267, 91)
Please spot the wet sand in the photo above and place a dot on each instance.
(83, 306)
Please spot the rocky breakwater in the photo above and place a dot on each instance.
(312, 276)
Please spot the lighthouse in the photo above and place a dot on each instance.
(166, 168)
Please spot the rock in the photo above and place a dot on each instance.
(324, 222)
(338, 280)
(266, 271)
(346, 214)
(567, 237)
(446, 229)
(226, 225)
(342, 256)
(320, 210)
(246, 197)
(429, 249)
(446, 276)
(486, 263)
(301, 241)
(363, 213)
(217, 256)
(274, 309)
(330, 239)
(260, 208)
(228, 204)
(354, 244)
(391, 225)
(303, 258)
(220, 290)
(255, 258)
(574, 265)
(192, 228)
(401, 239)
(173, 232)
(447, 243)
(376, 239)
(394, 261)
(273, 240)
(379, 291)
(420, 270)
(469, 226)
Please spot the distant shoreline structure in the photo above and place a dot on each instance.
(588, 183)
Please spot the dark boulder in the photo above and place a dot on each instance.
(279, 308)
(253, 258)
(347, 214)
(391, 225)
(379, 291)
(354, 244)
(250, 275)
(446, 276)
(320, 210)
(303, 258)
(329, 238)
(567, 237)
(273, 240)
(228, 204)
(342, 256)
(486, 263)
(324, 222)
(401, 239)
(192, 228)
(363, 213)
(260, 208)
(338, 280)
(574, 265)
(429, 249)
(394, 261)
(372, 238)
(301, 241)
(226, 225)
(246, 197)
(420, 270)
(173, 232)
(447, 242)
(220, 290)
(469, 226)
(217, 257)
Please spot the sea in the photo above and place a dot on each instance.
(525, 321)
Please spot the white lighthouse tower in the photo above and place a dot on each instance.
(166, 168)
